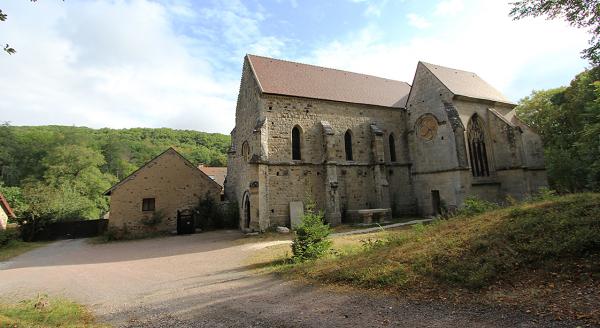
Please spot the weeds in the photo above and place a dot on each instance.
(46, 312)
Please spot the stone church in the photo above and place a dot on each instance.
(354, 143)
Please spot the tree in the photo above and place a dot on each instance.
(311, 238)
(71, 167)
(579, 13)
(568, 120)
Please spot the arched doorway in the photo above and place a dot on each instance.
(246, 216)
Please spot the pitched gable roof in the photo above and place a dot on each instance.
(218, 174)
(468, 84)
(169, 150)
(287, 78)
(6, 207)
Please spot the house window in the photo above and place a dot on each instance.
(296, 153)
(348, 145)
(478, 156)
(392, 148)
(148, 204)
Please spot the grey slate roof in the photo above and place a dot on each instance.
(282, 77)
(465, 83)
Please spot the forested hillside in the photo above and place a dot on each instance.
(61, 172)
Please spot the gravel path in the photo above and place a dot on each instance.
(201, 281)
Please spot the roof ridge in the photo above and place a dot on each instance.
(327, 68)
(171, 148)
(451, 68)
(4, 203)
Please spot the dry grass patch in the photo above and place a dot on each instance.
(45, 313)
(483, 256)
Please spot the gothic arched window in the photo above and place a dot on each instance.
(246, 150)
(392, 148)
(296, 144)
(477, 149)
(348, 145)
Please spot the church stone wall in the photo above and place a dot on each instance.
(423, 168)
(290, 180)
(436, 163)
(512, 147)
(241, 169)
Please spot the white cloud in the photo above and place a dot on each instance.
(374, 7)
(514, 56)
(449, 7)
(125, 64)
(417, 21)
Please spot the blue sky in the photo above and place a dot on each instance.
(168, 63)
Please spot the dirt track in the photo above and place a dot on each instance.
(202, 281)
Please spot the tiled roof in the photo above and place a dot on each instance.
(282, 77)
(6, 207)
(218, 174)
(465, 83)
(170, 150)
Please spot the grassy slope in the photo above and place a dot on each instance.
(11, 245)
(46, 313)
(543, 256)
(16, 248)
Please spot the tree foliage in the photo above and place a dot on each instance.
(311, 237)
(568, 120)
(579, 13)
(53, 173)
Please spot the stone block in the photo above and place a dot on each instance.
(296, 213)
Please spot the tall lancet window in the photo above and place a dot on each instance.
(478, 153)
(296, 144)
(392, 148)
(348, 145)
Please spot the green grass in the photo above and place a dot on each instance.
(44, 312)
(11, 245)
(474, 251)
(554, 237)
(17, 247)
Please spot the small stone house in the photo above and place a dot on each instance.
(165, 185)
(5, 213)
(359, 144)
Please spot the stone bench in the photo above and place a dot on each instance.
(367, 216)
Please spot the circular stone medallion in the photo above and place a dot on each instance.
(427, 127)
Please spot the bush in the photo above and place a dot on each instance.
(155, 219)
(474, 205)
(544, 194)
(8, 235)
(310, 240)
(211, 214)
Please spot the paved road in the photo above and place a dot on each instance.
(201, 281)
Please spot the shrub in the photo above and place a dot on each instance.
(155, 219)
(474, 205)
(111, 234)
(373, 243)
(311, 237)
(211, 214)
(231, 215)
(544, 194)
(8, 235)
